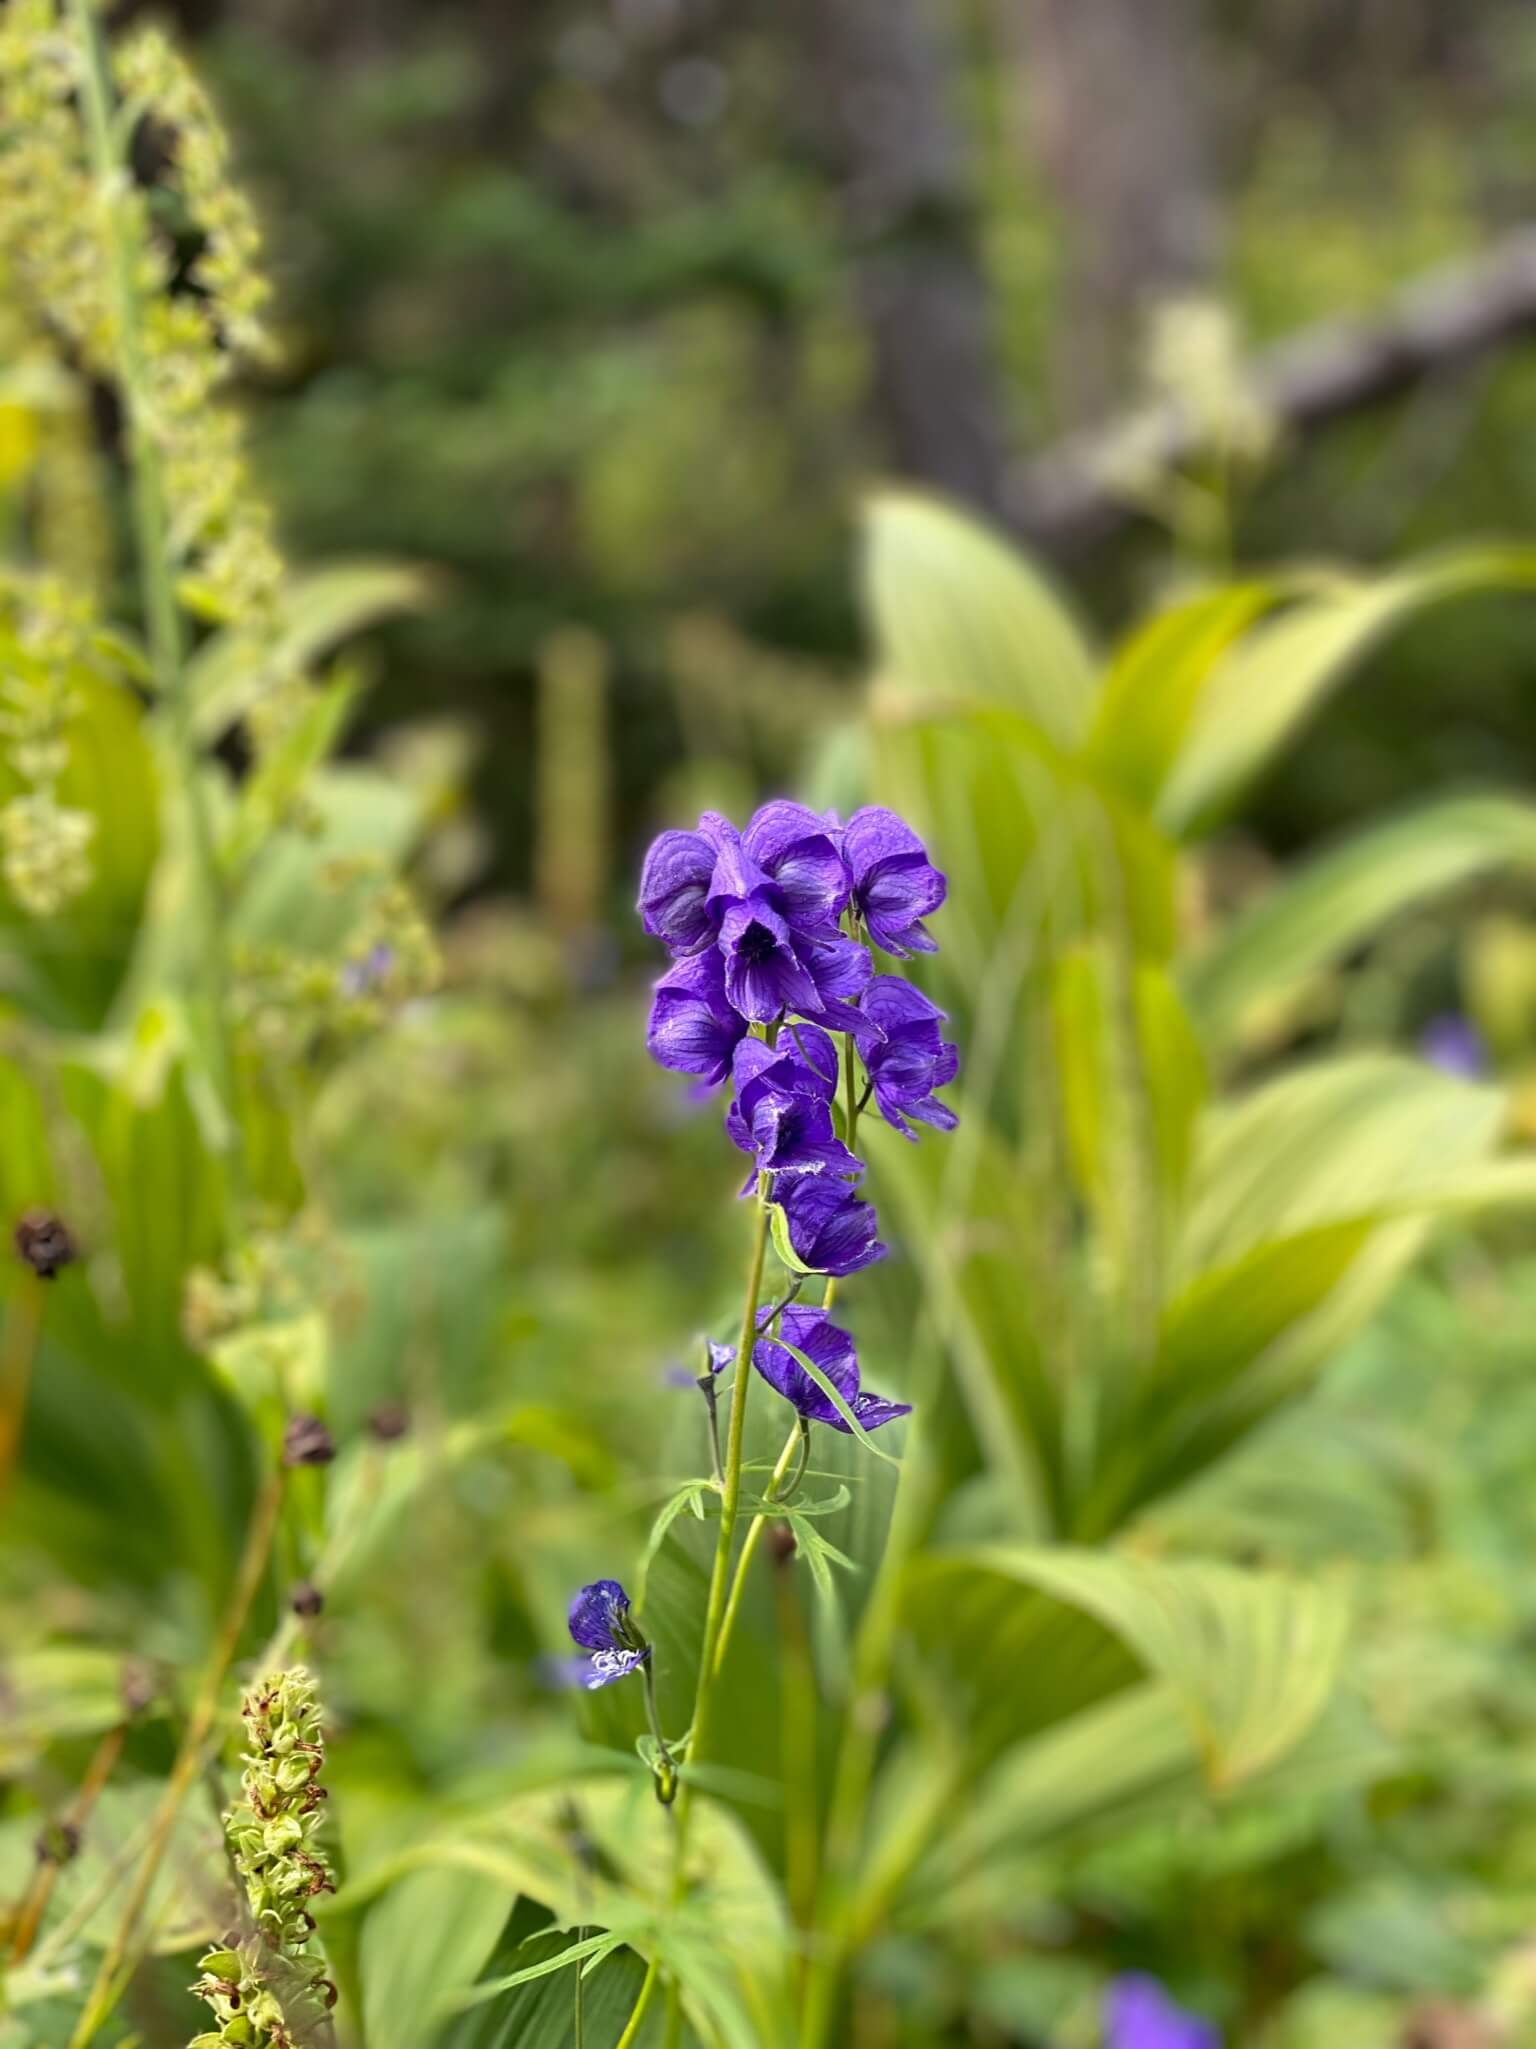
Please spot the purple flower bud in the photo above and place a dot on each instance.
(895, 886)
(831, 1229)
(912, 1058)
(1138, 2014)
(601, 1623)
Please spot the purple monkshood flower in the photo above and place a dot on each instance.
(601, 1623)
(1454, 1045)
(810, 1331)
(1138, 2014)
(771, 898)
(895, 885)
(783, 1107)
(831, 1229)
(912, 1060)
(693, 1029)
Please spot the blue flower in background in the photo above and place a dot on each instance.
(601, 1623)
(1454, 1045)
(1138, 2014)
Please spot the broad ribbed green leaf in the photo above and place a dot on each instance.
(1250, 1657)
(1276, 676)
(1329, 906)
(959, 614)
(423, 1944)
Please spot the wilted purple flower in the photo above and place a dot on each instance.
(831, 1229)
(675, 882)
(810, 1331)
(895, 885)
(1138, 2014)
(693, 1029)
(783, 1108)
(912, 1059)
(1454, 1045)
(601, 1623)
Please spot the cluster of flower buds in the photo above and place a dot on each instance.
(45, 844)
(768, 930)
(265, 1989)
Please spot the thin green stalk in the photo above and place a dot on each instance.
(189, 1760)
(714, 1612)
(797, 1736)
(798, 1437)
(17, 1349)
(162, 617)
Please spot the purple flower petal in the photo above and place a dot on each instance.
(1138, 2014)
(830, 1228)
(693, 1029)
(894, 884)
(831, 1349)
(595, 1618)
(673, 885)
(912, 1059)
(763, 974)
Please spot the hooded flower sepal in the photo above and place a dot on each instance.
(811, 1332)
(824, 1226)
(911, 1059)
(895, 885)
(782, 1112)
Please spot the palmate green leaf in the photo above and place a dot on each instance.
(539, 2013)
(1273, 678)
(728, 1942)
(959, 613)
(1251, 1657)
(689, 1496)
(1327, 907)
(320, 610)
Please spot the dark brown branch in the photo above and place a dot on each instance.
(1068, 498)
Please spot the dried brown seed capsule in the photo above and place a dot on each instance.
(44, 1241)
(307, 1442)
(137, 1686)
(57, 1843)
(306, 1598)
(389, 1421)
(781, 1543)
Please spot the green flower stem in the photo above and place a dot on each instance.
(647, 1992)
(189, 1760)
(666, 1778)
(17, 1348)
(862, 1727)
(797, 1738)
(798, 1438)
(30, 1914)
(162, 617)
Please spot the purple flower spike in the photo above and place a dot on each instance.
(895, 885)
(783, 1108)
(674, 884)
(1138, 2014)
(601, 1623)
(693, 1029)
(831, 1230)
(912, 1059)
(809, 1331)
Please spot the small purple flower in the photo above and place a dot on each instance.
(783, 1108)
(1138, 2014)
(794, 848)
(895, 885)
(358, 977)
(810, 1331)
(693, 1029)
(764, 975)
(831, 1229)
(1454, 1045)
(674, 884)
(601, 1623)
(912, 1059)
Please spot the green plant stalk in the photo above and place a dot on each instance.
(189, 1759)
(714, 1611)
(797, 1736)
(162, 616)
(862, 1726)
(45, 1877)
(17, 1350)
(797, 1437)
